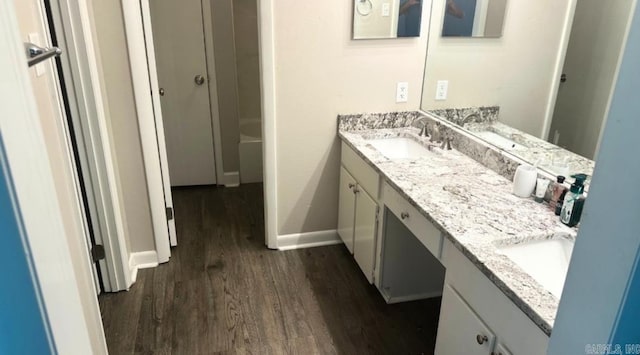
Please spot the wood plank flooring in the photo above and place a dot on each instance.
(223, 292)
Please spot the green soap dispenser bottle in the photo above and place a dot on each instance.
(573, 202)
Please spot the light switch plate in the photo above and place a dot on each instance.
(386, 9)
(35, 39)
(402, 91)
(441, 89)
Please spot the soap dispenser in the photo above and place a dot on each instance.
(573, 202)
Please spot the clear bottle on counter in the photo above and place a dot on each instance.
(557, 189)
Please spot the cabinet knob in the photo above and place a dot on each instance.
(355, 191)
(404, 215)
(351, 185)
(481, 339)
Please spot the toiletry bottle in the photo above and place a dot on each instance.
(557, 189)
(573, 202)
(561, 201)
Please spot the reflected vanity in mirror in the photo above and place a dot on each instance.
(376, 19)
(474, 18)
(541, 92)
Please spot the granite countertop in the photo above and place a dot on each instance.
(474, 208)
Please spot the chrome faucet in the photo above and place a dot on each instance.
(435, 133)
(425, 129)
(446, 142)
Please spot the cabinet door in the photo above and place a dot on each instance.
(346, 208)
(460, 331)
(365, 232)
(501, 350)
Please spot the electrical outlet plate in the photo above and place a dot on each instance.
(441, 89)
(402, 91)
(386, 9)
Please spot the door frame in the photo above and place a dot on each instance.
(71, 324)
(268, 96)
(149, 117)
(139, 36)
(76, 36)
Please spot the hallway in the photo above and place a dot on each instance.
(223, 292)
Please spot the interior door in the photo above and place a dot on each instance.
(178, 35)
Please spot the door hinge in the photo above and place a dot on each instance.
(169, 213)
(377, 213)
(97, 253)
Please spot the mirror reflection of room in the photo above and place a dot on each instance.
(550, 76)
(379, 19)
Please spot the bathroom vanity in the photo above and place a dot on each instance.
(423, 221)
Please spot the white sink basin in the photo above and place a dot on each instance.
(399, 148)
(500, 141)
(547, 261)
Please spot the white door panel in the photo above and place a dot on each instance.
(180, 56)
(460, 330)
(346, 208)
(365, 232)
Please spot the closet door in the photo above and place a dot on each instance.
(178, 36)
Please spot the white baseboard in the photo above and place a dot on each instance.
(141, 260)
(231, 179)
(308, 240)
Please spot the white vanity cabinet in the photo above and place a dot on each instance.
(346, 208)
(460, 330)
(501, 350)
(358, 209)
(471, 298)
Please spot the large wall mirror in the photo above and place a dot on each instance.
(474, 18)
(551, 74)
(373, 19)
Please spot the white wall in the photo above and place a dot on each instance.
(245, 24)
(514, 72)
(597, 38)
(321, 72)
(226, 81)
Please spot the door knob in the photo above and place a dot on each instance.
(563, 78)
(199, 79)
(161, 91)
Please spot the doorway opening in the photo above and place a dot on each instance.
(207, 65)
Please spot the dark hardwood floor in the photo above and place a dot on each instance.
(223, 292)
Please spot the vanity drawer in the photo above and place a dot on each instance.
(423, 230)
(361, 171)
